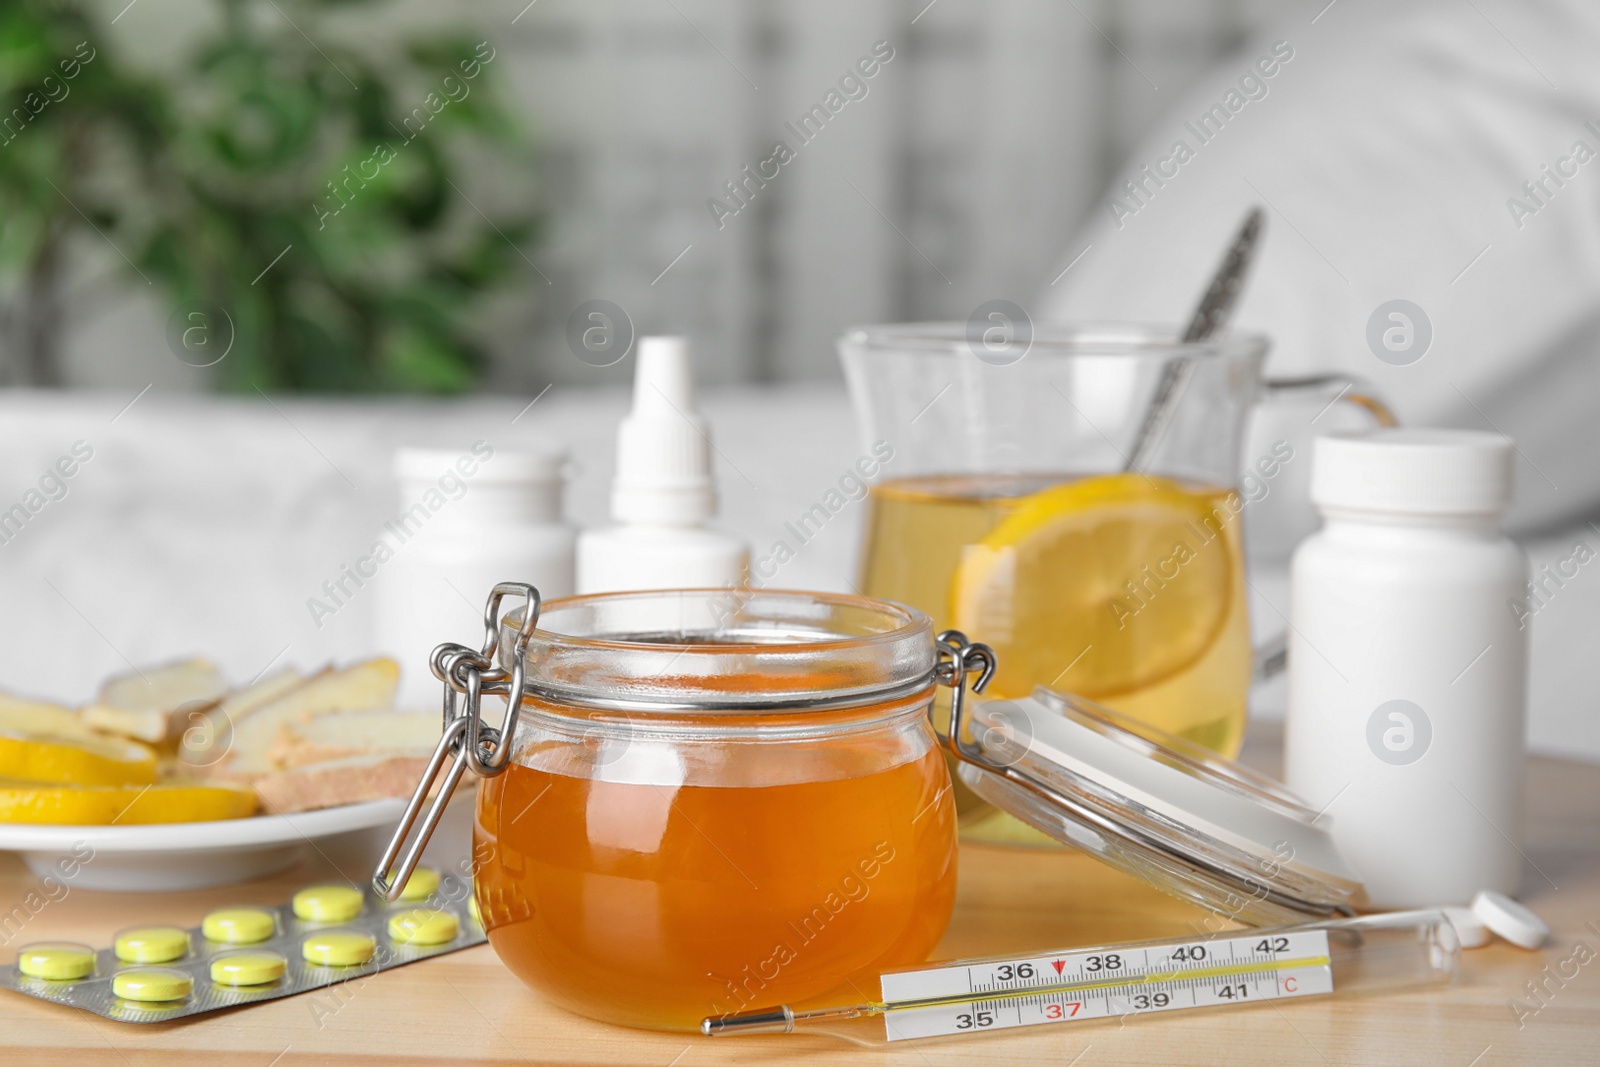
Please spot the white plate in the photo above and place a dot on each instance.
(200, 854)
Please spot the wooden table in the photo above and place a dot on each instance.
(465, 1007)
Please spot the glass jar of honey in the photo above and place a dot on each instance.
(709, 800)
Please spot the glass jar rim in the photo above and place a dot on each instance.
(723, 651)
(1114, 339)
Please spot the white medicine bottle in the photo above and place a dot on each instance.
(662, 495)
(1408, 666)
(466, 519)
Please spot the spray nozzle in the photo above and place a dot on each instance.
(663, 448)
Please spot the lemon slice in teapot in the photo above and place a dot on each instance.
(1098, 587)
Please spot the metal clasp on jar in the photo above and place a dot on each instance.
(958, 658)
(467, 675)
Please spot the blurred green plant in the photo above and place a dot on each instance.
(298, 201)
(62, 102)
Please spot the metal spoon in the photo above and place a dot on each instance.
(1212, 314)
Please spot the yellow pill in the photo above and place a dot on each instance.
(328, 903)
(339, 948)
(472, 909)
(151, 944)
(247, 968)
(420, 886)
(239, 926)
(151, 984)
(423, 926)
(58, 961)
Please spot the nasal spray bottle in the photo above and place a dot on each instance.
(662, 495)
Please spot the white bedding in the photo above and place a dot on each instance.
(204, 524)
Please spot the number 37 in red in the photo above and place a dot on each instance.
(1057, 1011)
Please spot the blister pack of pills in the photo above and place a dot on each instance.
(245, 954)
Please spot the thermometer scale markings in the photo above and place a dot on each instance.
(1097, 984)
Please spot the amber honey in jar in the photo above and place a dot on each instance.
(715, 802)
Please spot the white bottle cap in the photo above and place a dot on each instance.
(663, 446)
(1419, 472)
(1509, 919)
(1470, 930)
(535, 464)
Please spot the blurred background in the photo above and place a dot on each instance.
(249, 247)
(201, 141)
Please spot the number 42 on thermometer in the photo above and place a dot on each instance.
(1097, 984)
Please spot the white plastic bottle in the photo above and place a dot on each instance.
(662, 495)
(467, 519)
(1408, 664)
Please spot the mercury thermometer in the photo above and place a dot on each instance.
(1365, 954)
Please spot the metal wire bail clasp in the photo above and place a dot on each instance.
(467, 674)
(958, 658)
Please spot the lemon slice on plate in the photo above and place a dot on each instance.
(81, 760)
(1098, 587)
(125, 805)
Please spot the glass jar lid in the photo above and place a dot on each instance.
(1161, 808)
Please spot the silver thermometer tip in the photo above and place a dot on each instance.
(768, 1021)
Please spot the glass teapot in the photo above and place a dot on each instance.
(1014, 509)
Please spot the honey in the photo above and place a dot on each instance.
(656, 904)
(701, 801)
